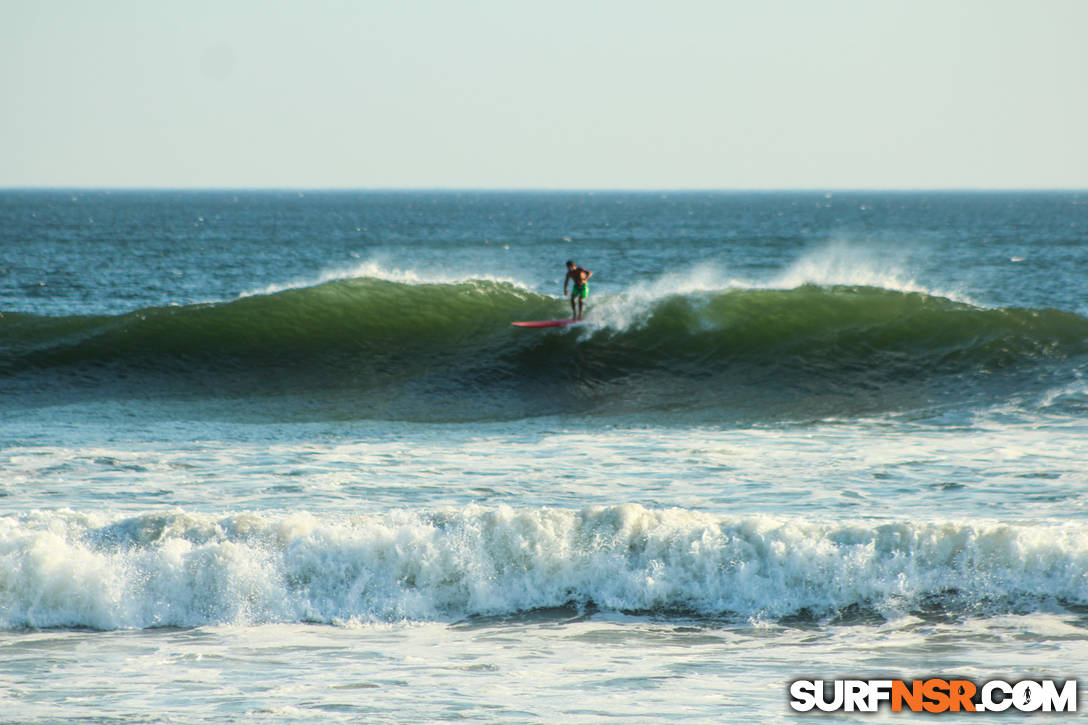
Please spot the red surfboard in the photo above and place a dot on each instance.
(545, 323)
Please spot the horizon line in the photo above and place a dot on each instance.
(548, 189)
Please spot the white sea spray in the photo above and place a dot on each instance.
(64, 569)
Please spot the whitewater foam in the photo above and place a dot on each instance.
(839, 263)
(373, 269)
(633, 306)
(845, 263)
(181, 569)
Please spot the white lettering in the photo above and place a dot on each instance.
(993, 696)
(1064, 701)
(1027, 695)
(988, 702)
(880, 690)
(856, 696)
(836, 700)
(803, 693)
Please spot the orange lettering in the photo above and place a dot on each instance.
(961, 692)
(912, 695)
(937, 692)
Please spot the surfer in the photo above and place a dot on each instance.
(580, 276)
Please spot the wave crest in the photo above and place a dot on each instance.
(180, 569)
(446, 351)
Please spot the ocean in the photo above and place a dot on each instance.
(280, 456)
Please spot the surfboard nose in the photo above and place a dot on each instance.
(545, 323)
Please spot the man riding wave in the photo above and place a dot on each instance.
(580, 276)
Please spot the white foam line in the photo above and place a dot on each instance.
(67, 569)
(843, 263)
(372, 269)
(839, 263)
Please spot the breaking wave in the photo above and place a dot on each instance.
(65, 569)
(385, 349)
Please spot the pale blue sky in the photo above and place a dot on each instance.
(613, 94)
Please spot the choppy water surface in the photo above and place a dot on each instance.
(281, 456)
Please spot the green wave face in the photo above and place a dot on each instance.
(369, 348)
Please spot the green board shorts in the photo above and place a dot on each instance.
(580, 290)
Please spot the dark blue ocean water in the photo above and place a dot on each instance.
(93, 252)
(291, 437)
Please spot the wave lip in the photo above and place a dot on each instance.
(178, 569)
(375, 348)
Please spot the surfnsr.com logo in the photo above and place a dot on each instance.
(933, 695)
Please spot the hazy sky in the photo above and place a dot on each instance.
(614, 94)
